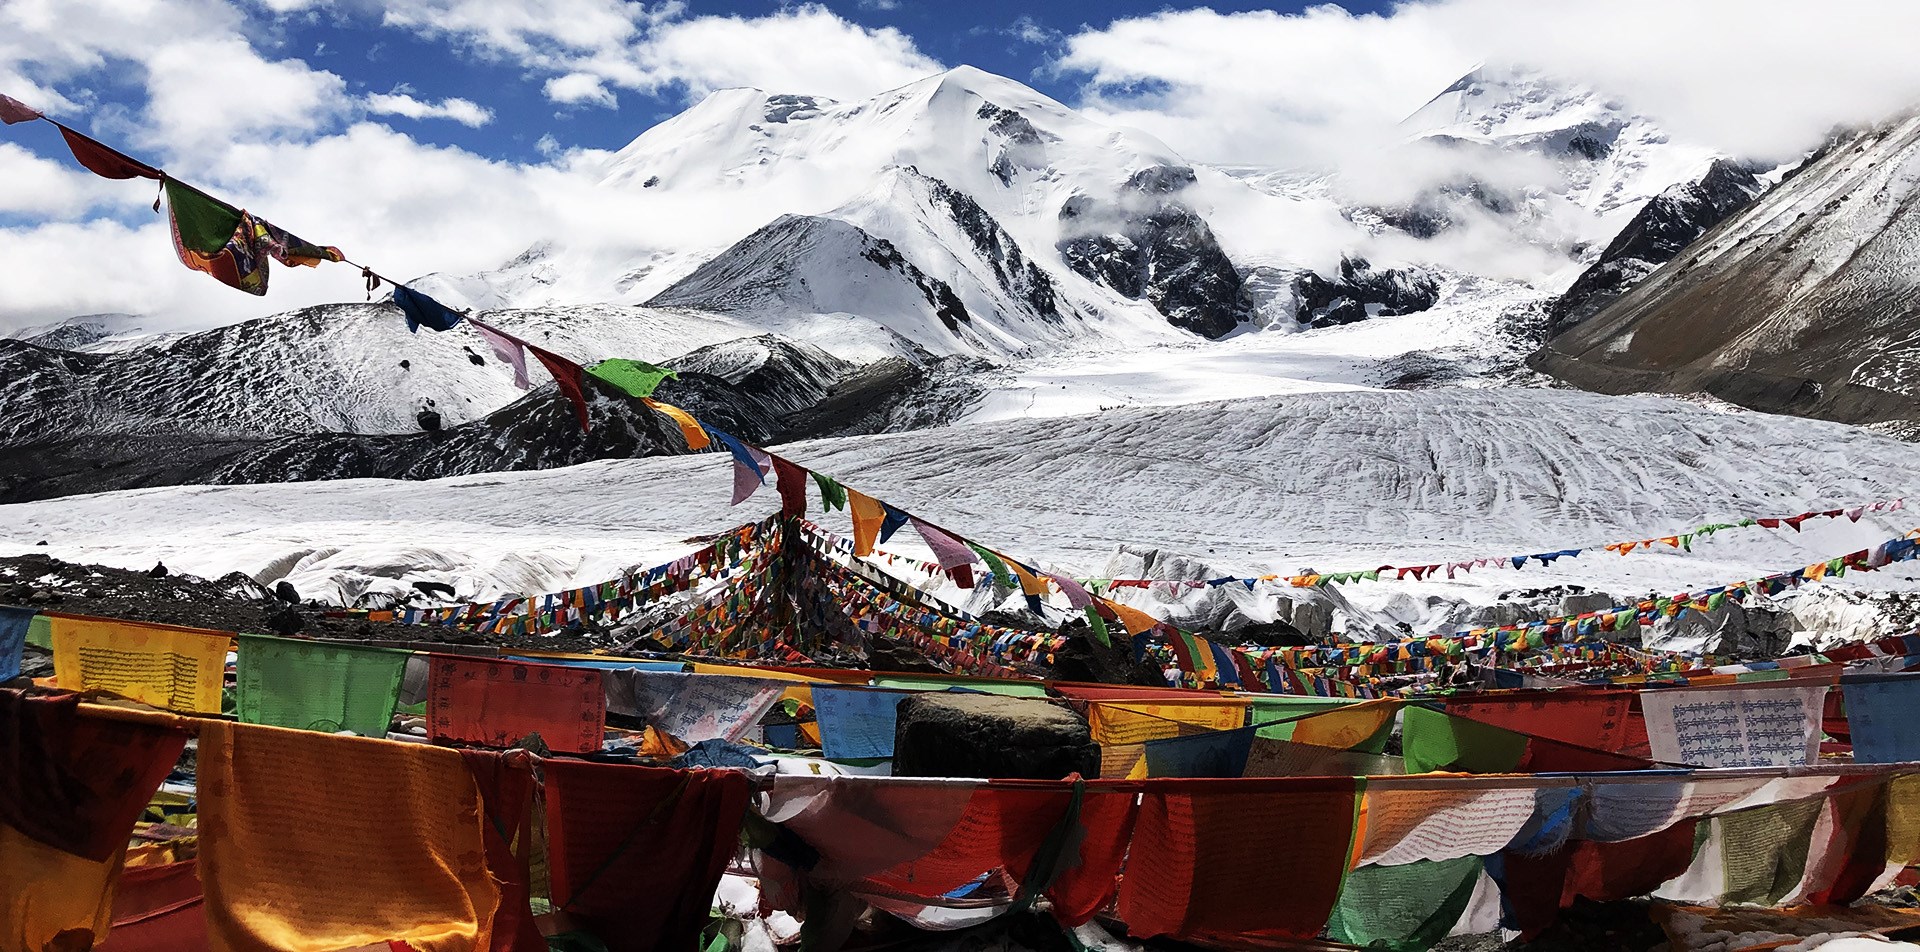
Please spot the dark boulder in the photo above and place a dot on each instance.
(284, 591)
(960, 734)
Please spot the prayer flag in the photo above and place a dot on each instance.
(1212, 754)
(690, 428)
(1584, 718)
(506, 786)
(77, 783)
(567, 376)
(508, 349)
(1743, 727)
(106, 162)
(637, 852)
(693, 707)
(312, 841)
(750, 465)
(14, 623)
(895, 519)
(1765, 849)
(292, 250)
(1880, 716)
(635, 378)
(1432, 741)
(791, 481)
(832, 495)
(1406, 907)
(423, 311)
(950, 552)
(856, 723)
(868, 514)
(500, 703)
(1201, 865)
(53, 900)
(13, 110)
(1002, 576)
(317, 685)
(181, 669)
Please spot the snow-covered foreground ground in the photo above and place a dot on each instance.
(1334, 481)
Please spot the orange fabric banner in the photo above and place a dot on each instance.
(498, 703)
(313, 842)
(1593, 719)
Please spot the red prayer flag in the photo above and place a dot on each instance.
(499, 703)
(637, 852)
(1595, 719)
(158, 909)
(78, 783)
(506, 797)
(568, 375)
(103, 161)
(791, 480)
(1202, 867)
(13, 110)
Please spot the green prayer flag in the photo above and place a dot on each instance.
(636, 378)
(205, 224)
(1403, 908)
(40, 632)
(1002, 575)
(832, 494)
(1099, 626)
(1003, 688)
(1432, 740)
(1765, 849)
(318, 685)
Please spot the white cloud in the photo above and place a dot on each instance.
(45, 188)
(593, 48)
(1752, 77)
(463, 111)
(881, 5)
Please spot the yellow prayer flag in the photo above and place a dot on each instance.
(689, 427)
(52, 899)
(1345, 727)
(312, 842)
(181, 669)
(1903, 820)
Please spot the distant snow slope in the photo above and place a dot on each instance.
(1802, 302)
(1331, 481)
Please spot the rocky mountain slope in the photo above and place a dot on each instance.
(1804, 302)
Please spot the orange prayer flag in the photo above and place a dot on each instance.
(868, 514)
(1135, 620)
(313, 842)
(689, 427)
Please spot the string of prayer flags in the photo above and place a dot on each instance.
(317, 685)
(636, 853)
(568, 376)
(635, 378)
(314, 841)
(421, 310)
(508, 348)
(504, 703)
(690, 428)
(13, 110)
(180, 669)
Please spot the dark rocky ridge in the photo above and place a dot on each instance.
(1152, 246)
(1659, 231)
(1347, 297)
(764, 390)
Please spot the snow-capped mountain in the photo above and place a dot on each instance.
(1803, 302)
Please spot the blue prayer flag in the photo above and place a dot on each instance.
(1880, 717)
(856, 723)
(13, 636)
